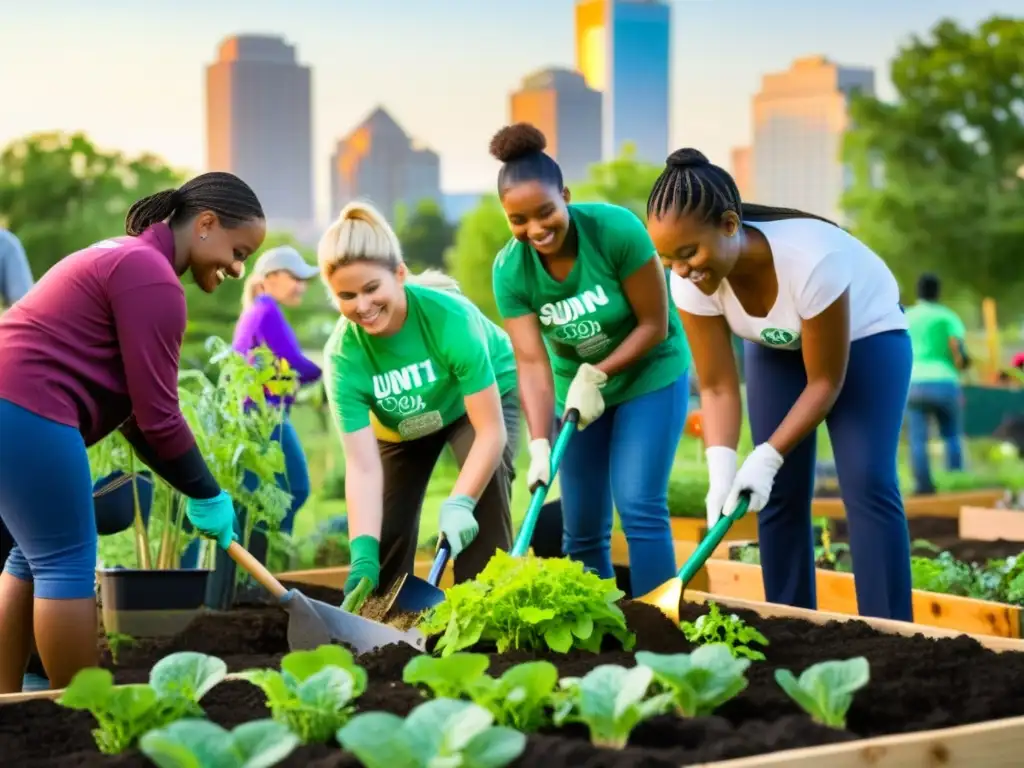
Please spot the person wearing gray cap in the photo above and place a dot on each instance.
(278, 278)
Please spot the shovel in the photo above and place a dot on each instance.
(313, 623)
(668, 598)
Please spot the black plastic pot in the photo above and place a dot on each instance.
(150, 603)
(114, 500)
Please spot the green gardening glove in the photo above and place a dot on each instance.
(214, 518)
(365, 553)
(457, 524)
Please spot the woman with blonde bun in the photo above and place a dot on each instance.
(412, 366)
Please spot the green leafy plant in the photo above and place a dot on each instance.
(700, 682)
(611, 701)
(716, 627)
(192, 743)
(521, 698)
(440, 733)
(313, 693)
(825, 690)
(124, 712)
(116, 641)
(529, 602)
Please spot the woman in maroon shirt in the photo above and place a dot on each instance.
(94, 347)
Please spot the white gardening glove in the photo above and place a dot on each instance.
(539, 472)
(721, 473)
(756, 475)
(585, 394)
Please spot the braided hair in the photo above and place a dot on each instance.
(691, 185)
(226, 195)
(520, 149)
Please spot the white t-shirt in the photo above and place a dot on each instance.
(814, 263)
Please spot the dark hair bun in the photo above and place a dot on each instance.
(687, 158)
(515, 141)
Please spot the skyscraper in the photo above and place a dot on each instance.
(623, 50)
(800, 117)
(568, 113)
(741, 163)
(259, 124)
(378, 161)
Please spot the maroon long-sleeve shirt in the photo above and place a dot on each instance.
(98, 340)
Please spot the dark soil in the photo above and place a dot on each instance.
(917, 684)
(943, 533)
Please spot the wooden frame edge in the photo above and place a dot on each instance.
(991, 524)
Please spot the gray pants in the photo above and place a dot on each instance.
(407, 469)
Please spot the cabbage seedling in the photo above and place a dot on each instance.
(701, 681)
(201, 744)
(825, 690)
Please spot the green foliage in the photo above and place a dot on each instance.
(425, 235)
(529, 602)
(123, 713)
(700, 682)
(935, 171)
(731, 630)
(623, 181)
(313, 694)
(482, 233)
(60, 193)
(825, 690)
(192, 743)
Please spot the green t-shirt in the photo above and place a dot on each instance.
(584, 318)
(415, 381)
(931, 325)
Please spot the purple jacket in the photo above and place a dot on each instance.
(265, 323)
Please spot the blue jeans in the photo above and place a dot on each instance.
(625, 455)
(864, 426)
(46, 504)
(941, 400)
(295, 480)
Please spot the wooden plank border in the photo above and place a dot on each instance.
(931, 505)
(989, 524)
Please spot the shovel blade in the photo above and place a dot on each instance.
(417, 595)
(666, 598)
(313, 623)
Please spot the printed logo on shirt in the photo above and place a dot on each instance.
(570, 322)
(395, 390)
(778, 337)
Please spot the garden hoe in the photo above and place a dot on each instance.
(668, 598)
(414, 595)
(313, 623)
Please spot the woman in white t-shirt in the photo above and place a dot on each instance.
(825, 341)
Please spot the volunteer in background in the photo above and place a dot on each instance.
(584, 300)
(825, 341)
(411, 353)
(94, 347)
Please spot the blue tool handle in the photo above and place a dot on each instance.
(565, 433)
(444, 551)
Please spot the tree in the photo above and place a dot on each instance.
(935, 184)
(482, 233)
(60, 193)
(425, 235)
(624, 181)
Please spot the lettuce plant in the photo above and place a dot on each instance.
(313, 693)
(529, 602)
(191, 743)
(521, 698)
(715, 627)
(440, 733)
(699, 682)
(825, 690)
(611, 701)
(124, 712)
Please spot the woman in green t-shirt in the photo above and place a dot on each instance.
(585, 301)
(413, 366)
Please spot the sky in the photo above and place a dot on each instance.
(131, 74)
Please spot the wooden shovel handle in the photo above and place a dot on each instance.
(256, 569)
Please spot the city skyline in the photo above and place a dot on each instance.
(133, 78)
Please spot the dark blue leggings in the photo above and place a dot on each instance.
(295, 480)
(864, 426)
(46, 504)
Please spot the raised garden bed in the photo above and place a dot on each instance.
(917, 684)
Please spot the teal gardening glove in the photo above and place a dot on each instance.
(457, 524)
(365, 554)
(214, 518)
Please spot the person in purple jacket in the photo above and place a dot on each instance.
(277, 278)
(94, 346)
